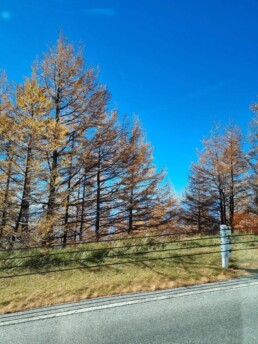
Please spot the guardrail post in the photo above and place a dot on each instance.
(226, 245)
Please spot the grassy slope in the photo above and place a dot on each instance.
(40, 290)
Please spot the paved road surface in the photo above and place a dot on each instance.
(218, 313)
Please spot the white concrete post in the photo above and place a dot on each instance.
(226, 246)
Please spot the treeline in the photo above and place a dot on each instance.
(223, 184)
(68, 167)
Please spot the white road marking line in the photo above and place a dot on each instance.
(124, 303)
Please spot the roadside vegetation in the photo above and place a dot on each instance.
(94, 269)
(72, 169)
(71, 166)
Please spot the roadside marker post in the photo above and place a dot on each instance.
(226, 245)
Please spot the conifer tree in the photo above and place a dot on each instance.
(78, 104)
(197, 200)
(30, 111)
(140, 181)
(7, 159)
(253, 161)
(235, 167)
(220, 173)
(166, 212)
(103, 177)
(213, 168)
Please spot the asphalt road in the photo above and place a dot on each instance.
(218, 313)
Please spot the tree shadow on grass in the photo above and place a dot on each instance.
(42, 261)
(252, 271)
(159, 270)
(46, 261)
(156, 270)
(199, 265)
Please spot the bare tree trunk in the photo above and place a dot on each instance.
(6, 196)
(130, 219)
(67, 212)
(52, 186)
(77, 212)
(223, 209)
(199, 219)
(54, 172)
(83, 206)
(199, 212)
(67, 205)
(97, 223)
(232, 198)
(24, 213)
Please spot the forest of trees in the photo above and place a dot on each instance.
(223, 185)
(69, 167)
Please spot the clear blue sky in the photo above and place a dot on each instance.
(179, 65)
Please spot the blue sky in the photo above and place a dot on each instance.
(180, 66)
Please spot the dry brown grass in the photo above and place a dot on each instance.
(27, 292)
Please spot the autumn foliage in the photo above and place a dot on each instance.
(72, 168)
(68, 167)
